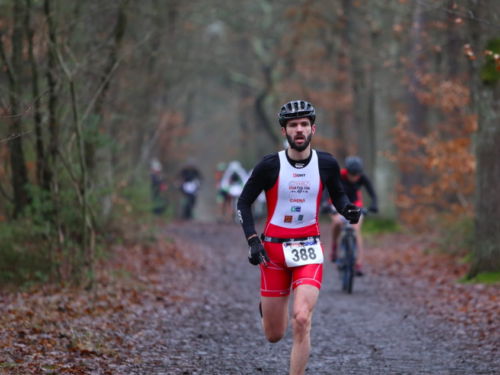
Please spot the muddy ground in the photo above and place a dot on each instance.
(215, 328)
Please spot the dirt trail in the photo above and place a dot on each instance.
(217, 330)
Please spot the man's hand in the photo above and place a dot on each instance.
(256, 252)
(351, 213)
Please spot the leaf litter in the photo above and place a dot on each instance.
(54, 329)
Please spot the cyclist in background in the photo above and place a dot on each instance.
(234, 173)
(353, 179)
(233, 180)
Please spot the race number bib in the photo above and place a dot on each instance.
(301, 253)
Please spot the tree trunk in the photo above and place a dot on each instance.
(453, 45)
(343, 112)
(486, 198)
(43, 175)
(53, 182)
(416, 110)
(485, 101)
(263, 120)
(13, 69)
(51, 81)
(362, 89)
(386, 93)
(118, 32)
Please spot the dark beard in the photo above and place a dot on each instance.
(299, 148)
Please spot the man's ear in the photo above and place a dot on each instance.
(313, 129)
(283, 131)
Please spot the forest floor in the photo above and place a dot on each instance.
(189, 305)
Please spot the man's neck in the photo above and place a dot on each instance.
(299, 155)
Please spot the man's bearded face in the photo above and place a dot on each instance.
(299, 142)
(299, 133)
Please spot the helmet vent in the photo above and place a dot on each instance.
(296, 109)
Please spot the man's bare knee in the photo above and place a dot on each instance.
(274, 337)
(301, 323)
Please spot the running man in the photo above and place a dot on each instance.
(291, 255)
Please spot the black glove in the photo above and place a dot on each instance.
(351, 213)
(373, 208)
(256, 252)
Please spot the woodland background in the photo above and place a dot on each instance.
(91, 91)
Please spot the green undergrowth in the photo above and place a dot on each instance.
(373, 225)
(137, 201)
(457, 237)
(467, 258)
(22, 262)
(31, 251)
(483, 278)
(134, 217)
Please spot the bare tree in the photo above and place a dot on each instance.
(13, 68)
(486, 102)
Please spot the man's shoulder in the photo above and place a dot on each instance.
(268, 165)
(326, 157)
(270, 159)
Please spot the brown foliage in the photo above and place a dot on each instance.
(443, 158)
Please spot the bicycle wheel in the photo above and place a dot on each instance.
(349, 266)
(349, 280)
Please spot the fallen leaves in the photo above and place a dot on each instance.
(431, 279)
(66, 330)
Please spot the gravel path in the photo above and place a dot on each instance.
(217, 329)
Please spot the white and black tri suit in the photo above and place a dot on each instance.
(293, 192)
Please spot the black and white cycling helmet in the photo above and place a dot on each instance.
(354, 165)
(296, 109)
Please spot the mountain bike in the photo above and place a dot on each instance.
(346, 262)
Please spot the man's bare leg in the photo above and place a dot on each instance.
(304, 301)
(275, 317)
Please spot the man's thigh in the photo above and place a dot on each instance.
(276, 278)
(275, 312)
(311, 274)
(304, 300)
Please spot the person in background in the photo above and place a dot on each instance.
(234, 174)
(189, 179)
(158, 187)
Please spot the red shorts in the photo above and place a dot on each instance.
(276, 278)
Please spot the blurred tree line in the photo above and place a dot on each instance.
(92, 90)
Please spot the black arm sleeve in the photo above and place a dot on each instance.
(264, 176)
(369, 187)
(329, 170)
